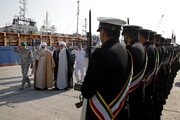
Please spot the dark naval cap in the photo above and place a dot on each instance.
(144, 31)
(24, 43)
(157, 36)
(131, 28)
(152, 35)
(168, 39)
(110, 23)
(162, 39)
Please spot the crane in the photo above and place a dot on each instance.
(159, 23)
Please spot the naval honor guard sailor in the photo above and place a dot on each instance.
(106, 84)
(137, 91)
(144, 36)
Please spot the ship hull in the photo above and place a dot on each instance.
(7, 56)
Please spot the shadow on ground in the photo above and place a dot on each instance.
(10, 82)
(12, 93)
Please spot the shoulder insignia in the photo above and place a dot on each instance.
(128, 44)
(100, 46)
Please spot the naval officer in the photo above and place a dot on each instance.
(108, 76)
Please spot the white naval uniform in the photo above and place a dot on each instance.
(80, 54)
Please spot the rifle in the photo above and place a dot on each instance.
(77, 87)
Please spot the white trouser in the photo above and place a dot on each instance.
(81, 68)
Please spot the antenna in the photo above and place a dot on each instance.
(77, 16)
(85, 26)
(23, 8)
(47, 19)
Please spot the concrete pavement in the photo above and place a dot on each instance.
(31, 104)
(171, 111)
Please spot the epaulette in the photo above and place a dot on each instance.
(128, 44)
(100, 46)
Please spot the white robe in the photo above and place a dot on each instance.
(39, 72)
(62, 78)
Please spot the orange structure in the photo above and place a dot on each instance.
(15, 39)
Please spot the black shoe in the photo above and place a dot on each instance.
(65, 88)
(55, 88)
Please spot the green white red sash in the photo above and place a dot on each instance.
(157, 62)
(171, 60)
(148, 78)
(136, 80)
(108, 112)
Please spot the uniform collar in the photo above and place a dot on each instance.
(151, 42)
(134, 41)
(147, 43)
(157, 45)
(110, 41)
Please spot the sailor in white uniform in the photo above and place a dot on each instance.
(79, 65)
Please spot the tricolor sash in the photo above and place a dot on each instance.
(108, 112)
(136, 80)
(157, 62)
(163, 62)
(148, 78)
(160, 65)
(171, 60)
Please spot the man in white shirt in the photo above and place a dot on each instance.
(79, 65)
(52, 49)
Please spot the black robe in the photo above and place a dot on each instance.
(70, 67)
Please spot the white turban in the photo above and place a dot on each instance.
(62, 43)
(43, 44)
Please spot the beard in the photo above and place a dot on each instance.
(62, 48)
(43, 49)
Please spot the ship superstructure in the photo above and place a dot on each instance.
(21, 24)
(47, 28)
(24, 29)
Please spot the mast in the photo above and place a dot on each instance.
(23, 9)
(77, 16)
(47, 21)
(85, 27)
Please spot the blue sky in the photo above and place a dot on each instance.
(146, 13)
